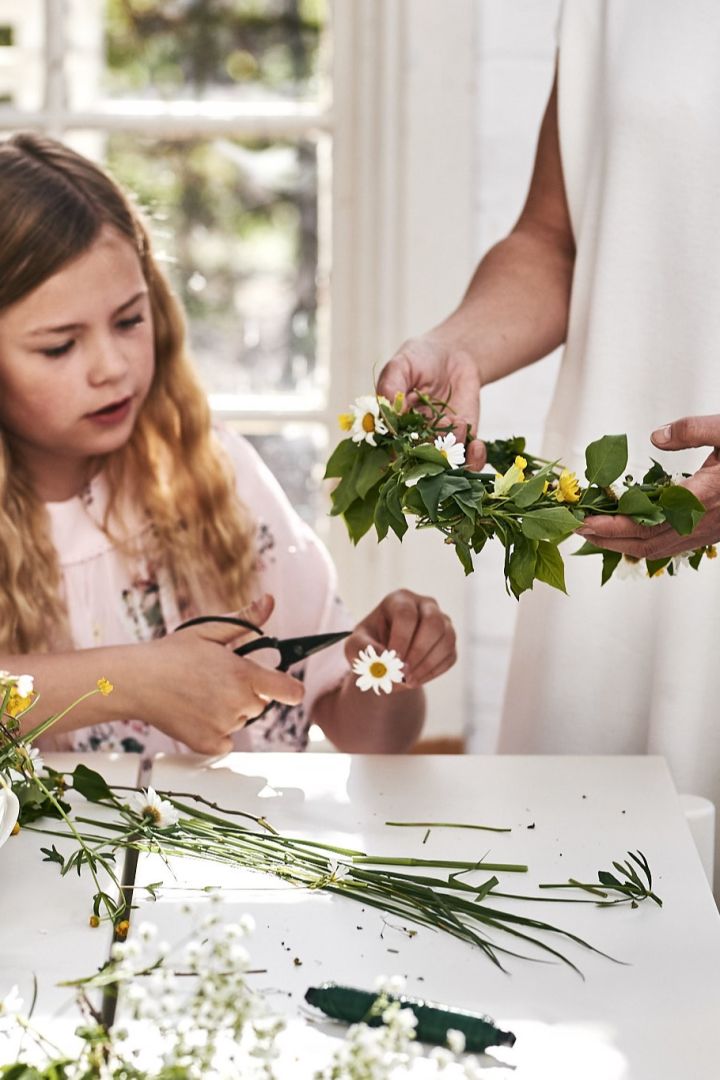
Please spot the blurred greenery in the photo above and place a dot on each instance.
(205, 46)
(237, 220)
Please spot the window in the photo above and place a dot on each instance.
(215, 113)
(224, 115)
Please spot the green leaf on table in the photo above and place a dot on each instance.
(549, 566)
(551, 523)
(639, 506)
(683, 510)
(91, 785)
(606, 459)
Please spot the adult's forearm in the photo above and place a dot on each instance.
(515, 310)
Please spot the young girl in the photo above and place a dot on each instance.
(122, 514)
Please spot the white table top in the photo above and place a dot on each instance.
(653, 1018)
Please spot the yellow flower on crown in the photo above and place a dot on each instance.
(345, 420)
(504, 481)
(568, 488)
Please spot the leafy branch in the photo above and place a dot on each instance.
(397, 467)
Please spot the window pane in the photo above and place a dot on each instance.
(296, 454)
(22, 35)
(256, 49)
(238, 224)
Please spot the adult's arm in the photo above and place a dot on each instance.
(515, 310)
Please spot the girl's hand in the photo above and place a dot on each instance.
(415, 627)
(195, 689)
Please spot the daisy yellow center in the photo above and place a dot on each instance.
(152, 813)
(378, 670)
(368, 422)
(444, 454)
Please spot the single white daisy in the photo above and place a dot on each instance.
(451, 449)
(377, 672)
(367, 421)
(159, 812)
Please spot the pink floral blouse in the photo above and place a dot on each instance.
(113, 602)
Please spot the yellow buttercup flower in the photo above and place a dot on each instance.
(515, 475)
(398, 402)
(17, 703)
(345, 420)
(568, 489)
(105, 686)
(711, 552)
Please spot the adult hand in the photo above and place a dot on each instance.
(415, 627)
(424, 364)
(659, 541)
(193, 687)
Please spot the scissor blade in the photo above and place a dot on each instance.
(295, 649)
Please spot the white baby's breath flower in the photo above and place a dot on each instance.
(456, 1040)
(157, 811)
(367, 421)
(338, 870)
(377, 672)
(24, 685)
(451, 449)
(12, 1003)
(390, 984)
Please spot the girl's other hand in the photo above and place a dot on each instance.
(417, 629)
(197, 690)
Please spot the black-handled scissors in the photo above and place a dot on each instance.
(291, 650)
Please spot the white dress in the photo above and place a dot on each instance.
(633, 667)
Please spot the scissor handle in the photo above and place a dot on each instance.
(234, 620)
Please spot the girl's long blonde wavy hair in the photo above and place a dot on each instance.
(54, 203)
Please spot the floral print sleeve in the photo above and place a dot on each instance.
(115, 601)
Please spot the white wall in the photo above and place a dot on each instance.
(516, 47)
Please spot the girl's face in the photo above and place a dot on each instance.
(76, 364)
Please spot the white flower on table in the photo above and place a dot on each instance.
(159, 812)
(377, 672)
(366, 420)
(451, 449)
